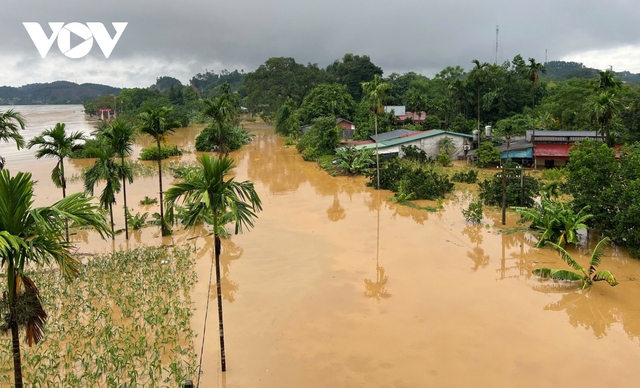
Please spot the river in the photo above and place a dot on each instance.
(336, 286)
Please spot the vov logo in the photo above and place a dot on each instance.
(87, 32)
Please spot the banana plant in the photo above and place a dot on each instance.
(587, 277)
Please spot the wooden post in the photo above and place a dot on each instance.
(504, 195)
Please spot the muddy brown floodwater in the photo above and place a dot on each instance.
(336, 286)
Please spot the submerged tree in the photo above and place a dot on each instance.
(376, 91)
(587, 277)
(54, 143)
(120, 137)
(208, 196)
(154, 123)
(10, 124)
(33, 236)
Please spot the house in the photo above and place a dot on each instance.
(428, 141)
(402, 114)
(551, 148)
(348, 129)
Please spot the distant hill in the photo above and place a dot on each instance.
(59, 92)
(561, 70)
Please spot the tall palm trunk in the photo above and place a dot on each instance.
(377, 156)
(126, 210)
(113, 232)
(64, 195)
(478, 110)
(15, 337)
(162, 226)
(223, 358)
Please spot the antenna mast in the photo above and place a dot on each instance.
(497, 32)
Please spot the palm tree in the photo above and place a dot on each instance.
(33, 236)
(534, 69)
(478, 76)
(154, 123)
(105, 169)
(207, 195)
(604, 107)
(120, 137)
(608, 80)
(376, 91)
(54, 143)
(222, 111)
(587, 278)
(10, 123)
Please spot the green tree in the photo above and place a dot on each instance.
(10, 124)
(605, 107)
(608, 80)
(207, 195)
(153, 122)
(327, 99)
(120, 137)
(54, 143)
(534, 69)
(287, 120)
(587, 277)
(222, 112)
(352, 71)
(107, 170)
(478, 77)
(30, 237)
(375, 92)
(322, 139)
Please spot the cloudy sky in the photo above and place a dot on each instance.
(183, 37)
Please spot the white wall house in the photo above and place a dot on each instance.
(428, 141)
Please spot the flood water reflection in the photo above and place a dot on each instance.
(337, 286)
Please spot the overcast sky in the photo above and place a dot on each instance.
(183, 37)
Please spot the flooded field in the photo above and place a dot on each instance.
(336, 286)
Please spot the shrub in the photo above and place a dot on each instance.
(351, 161)
(553, 174)
(323, 137)
(444, 159)
(468, 176)
(81, 153)
(415, 153)
(412, 180)
(491, 189)
(151, 153)
(234, 138)
(486, 154)
(473, 213)
(148, 201)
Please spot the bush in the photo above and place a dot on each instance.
(89, 143)
(233, 138)
(412, 180)
(473, 212)
(323, 137)
(151, 153)
(491, 189)
(468, 176)
(486, 154)
(415, 153)
(351, 161)
(553, 174)
(444, 160)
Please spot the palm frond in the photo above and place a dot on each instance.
(596, 256)
(564, 255)
(606, 276)
(557, 274)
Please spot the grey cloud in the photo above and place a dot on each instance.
(189, 36)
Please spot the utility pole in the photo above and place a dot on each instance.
(504, 195)
(497, 32)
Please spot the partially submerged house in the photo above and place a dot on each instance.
(551, 148)
(391, 143)
(348, 129)
(402, 114)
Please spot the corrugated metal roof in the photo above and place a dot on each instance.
(392, 135)
(411, 138)
(568, 136)
(552, 150)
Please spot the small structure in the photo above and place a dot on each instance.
(551, 148)
(428, 141)
(107, 111)
(347, 132)
(401, 113)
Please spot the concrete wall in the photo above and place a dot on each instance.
(431, 146)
